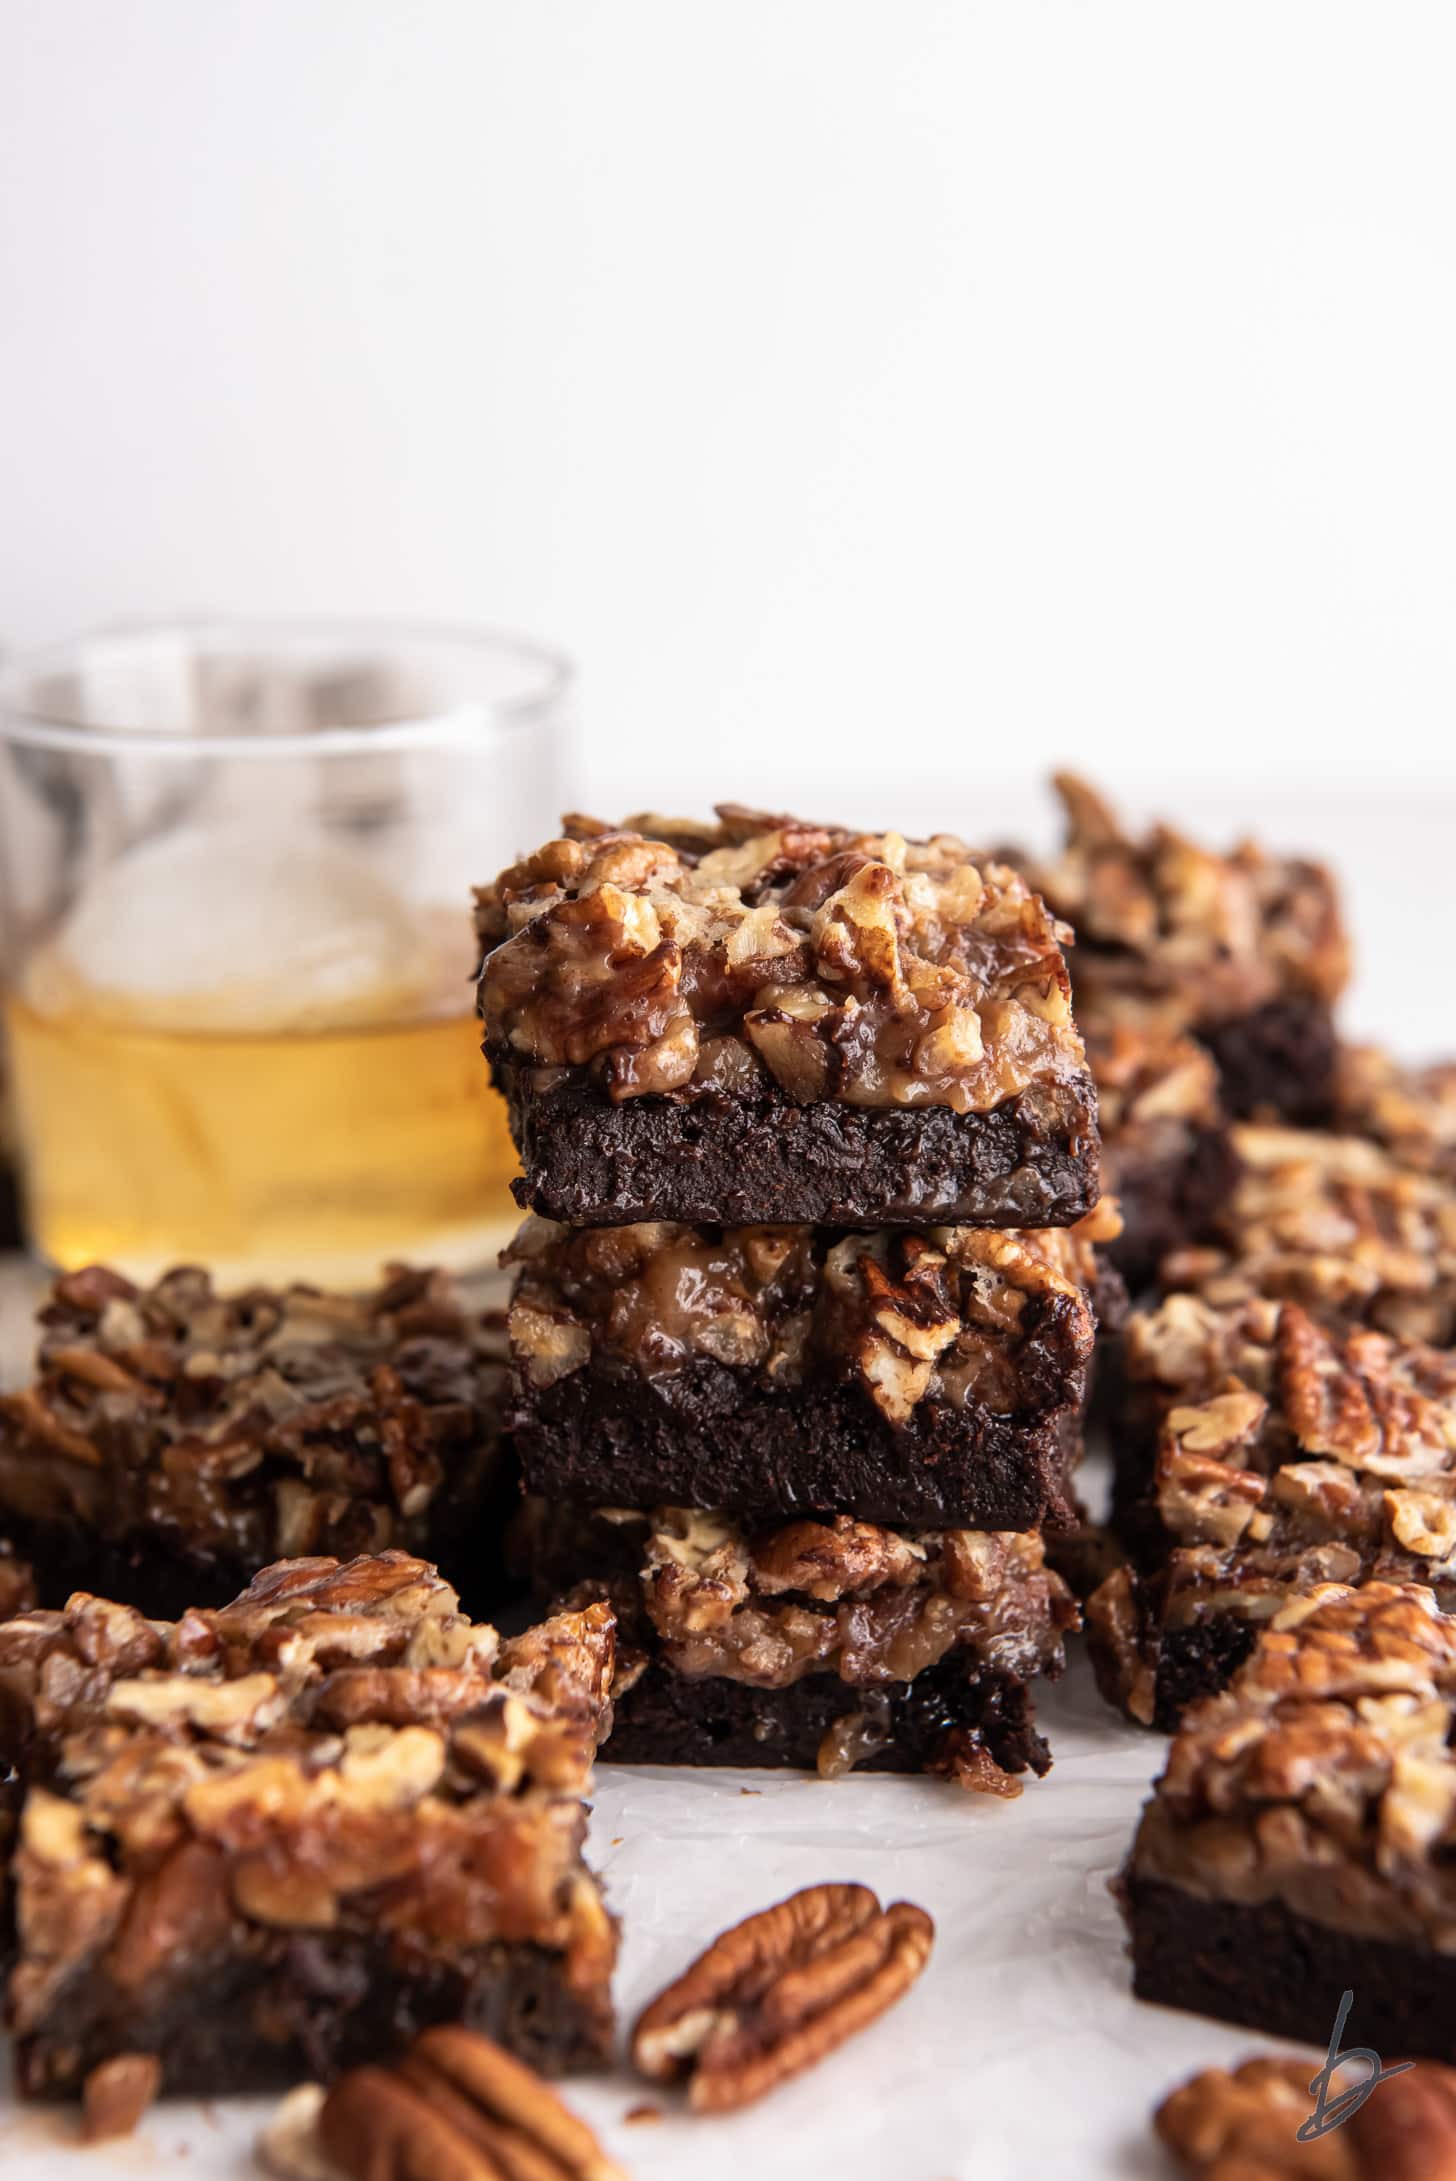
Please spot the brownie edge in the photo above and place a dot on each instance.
(1284, 1974)
(720, 1158)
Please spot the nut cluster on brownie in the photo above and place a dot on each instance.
(854, 966)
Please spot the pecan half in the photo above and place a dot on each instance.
(778, 1992)
(455, 2108)
(1241, 2126)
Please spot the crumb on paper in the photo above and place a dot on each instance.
(636, 2115)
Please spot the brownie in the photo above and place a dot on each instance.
(1336, 1223)
(278, 1838)
(1331, 1459)
(825, 1645)
(175, 1440)
(1167, 1157)
(1299, 1842)
(933, 1378)
(1246, 951)
(766, 1021)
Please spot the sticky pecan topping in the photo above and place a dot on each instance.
(955, 1315)
(765, 953)
(779, 1992)
(1242, 2124)
(1329, 1455)
(1411, 1111)
(873, 1606)
(257, 1424)
(1173, 936)
(1322, 1777)
(1334, 1223)
(339, 1750)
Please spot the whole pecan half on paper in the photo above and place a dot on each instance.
(455, 2108)
(779, 1991)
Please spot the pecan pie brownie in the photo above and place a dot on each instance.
(1299, 1843)
(1245, 950)
(1327, 1456)
(933, 1377)
(175, 1440)
(278, 1838)
(763, 1020)
(820, 1645)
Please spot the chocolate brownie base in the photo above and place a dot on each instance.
(1168, 1205)
(667, 1718)
(711, 1158)
(313, 2006)
(1280, 1059)
(712, 1436)
(1284, 1974)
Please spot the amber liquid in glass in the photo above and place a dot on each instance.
(274, 1154)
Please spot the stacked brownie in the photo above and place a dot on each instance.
(802, 1322)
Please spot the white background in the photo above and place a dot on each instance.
(914, 389)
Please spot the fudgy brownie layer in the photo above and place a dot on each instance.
(1279, 1059)
(713, 1436)
(668, 1718)
(715, 1158)
(1168, 1205)
(1198, 1661)
(1192, 1662)
(1285, 1974)
(310, 2007)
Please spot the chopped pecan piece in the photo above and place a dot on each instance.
(779, 1991)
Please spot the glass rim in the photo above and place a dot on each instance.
(24, 721)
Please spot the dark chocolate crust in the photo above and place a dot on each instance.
(710, 1158)
(1284, 1974)
(1278, 1059)
(667, 1718)
(310, 2008)
(1168, 1204)
(712, 1436)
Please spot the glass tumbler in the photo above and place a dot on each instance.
(236, 863)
